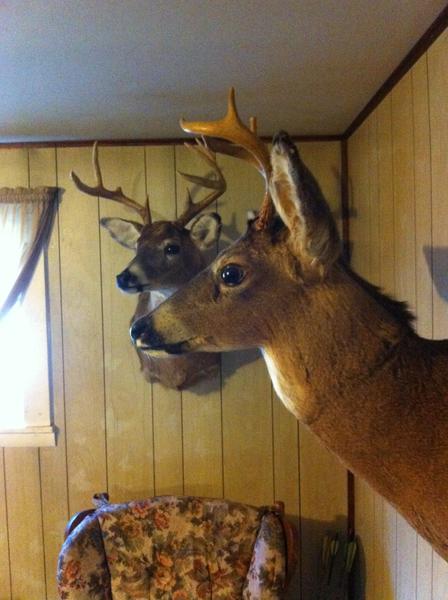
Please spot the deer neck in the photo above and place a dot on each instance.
(328, 343)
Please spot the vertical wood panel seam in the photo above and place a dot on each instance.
(39, 466)
(222, 427)
(377, 146)
(62, 340)
(377, 178)
(395, 574)
(44, 554)
(64, 382)
(153, 440)
(428, 88)
(100, 257)
(300, 565)
(183, 439)
(414, 204)
(395, 284)
(414, 163)
(151, 385)
(181, 393)
(431, 195)
(221, 414)
(369, 125)
(51, 357)
(413, 194)
(5, 491)
(299, 522)
(393, 193)
(379, 525)
(345, 216)
(345, 201)
(38, 452)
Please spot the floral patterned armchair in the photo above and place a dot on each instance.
(179, 548)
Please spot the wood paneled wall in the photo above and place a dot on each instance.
(227, 437)
(398, 174)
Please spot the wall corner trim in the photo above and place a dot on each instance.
(419, 48)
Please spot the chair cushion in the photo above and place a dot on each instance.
(178, 547)
(175, 548)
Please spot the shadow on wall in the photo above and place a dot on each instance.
(322, 559)
(233, 362)
(361, 577)
(358, 582)
(437, 261)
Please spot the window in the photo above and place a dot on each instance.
(25, 416)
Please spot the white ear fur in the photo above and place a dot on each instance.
(124, 232)
(283, 192)
(205, 230)
(303, 209)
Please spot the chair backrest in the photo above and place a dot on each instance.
(177, 547)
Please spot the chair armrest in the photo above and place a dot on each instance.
(82, 567)
(266, 578)
(292, 542)
(76, 520)
(100, 499)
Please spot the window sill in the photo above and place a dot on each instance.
(28, 437)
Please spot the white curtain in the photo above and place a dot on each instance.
(26, 220)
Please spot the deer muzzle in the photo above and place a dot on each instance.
(145, 336)
(128, 282)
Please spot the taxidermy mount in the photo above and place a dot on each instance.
(343, 357)
(167, 255)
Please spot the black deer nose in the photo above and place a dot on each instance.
(143, 331)
(127, 280)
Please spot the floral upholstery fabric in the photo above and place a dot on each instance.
(266, 577)
(82, 571)
(179, 548)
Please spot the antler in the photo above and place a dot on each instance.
(248, 146)
(217, 184)
(117, 195)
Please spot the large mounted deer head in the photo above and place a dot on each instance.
(343, 357)
(167, 255)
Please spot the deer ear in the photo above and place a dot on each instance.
(205, 230)
(124, 232)
(313, 238)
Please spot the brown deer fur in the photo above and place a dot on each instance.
(343, 357)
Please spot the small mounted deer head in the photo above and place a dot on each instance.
(167, 255)
(343, 357)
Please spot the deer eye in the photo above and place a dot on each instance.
(172, 249)
(232, 275)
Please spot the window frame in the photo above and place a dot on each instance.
(39, 430)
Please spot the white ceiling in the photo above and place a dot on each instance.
(114, 69)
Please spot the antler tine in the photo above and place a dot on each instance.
(232, 129)
(218, 184)
(115, 195)
(248, 146)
